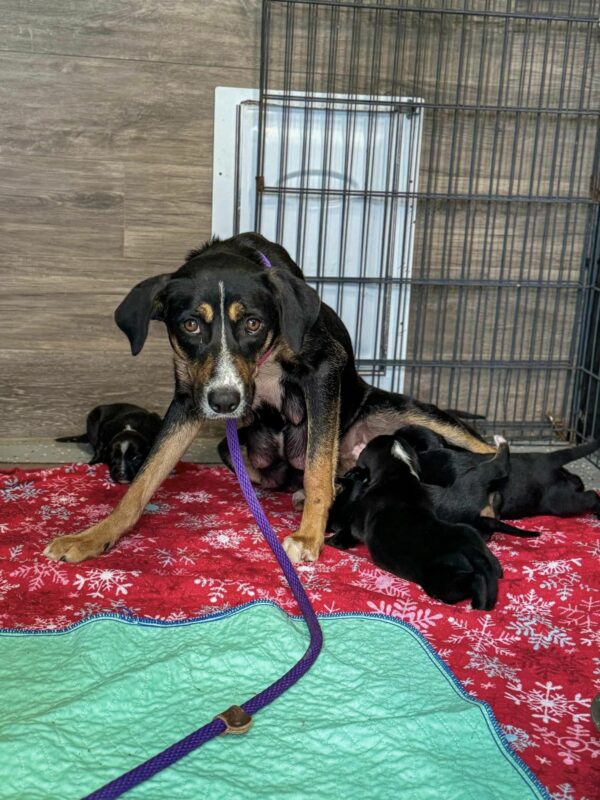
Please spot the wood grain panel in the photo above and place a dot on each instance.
(110, 109)
(157, 228)
(49, 392)
(499, 241)
(510, 395)
(176, 31)
(72, 206)
(95, 273)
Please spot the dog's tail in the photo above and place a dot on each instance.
(457, 433)
(83, 437)
(559, 458)
(490, 525)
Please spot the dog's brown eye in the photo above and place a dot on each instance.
(191, 326)
(253, 324)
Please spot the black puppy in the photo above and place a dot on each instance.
(537, 483)
(392, 513)
(267, 438)
(473, 496)
(121, 435)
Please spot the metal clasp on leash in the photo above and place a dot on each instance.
(236, 719)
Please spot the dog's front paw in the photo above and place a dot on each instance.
(78, 547)
(300, 549)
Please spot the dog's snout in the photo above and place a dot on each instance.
(225, 400)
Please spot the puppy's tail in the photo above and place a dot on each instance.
(83, 437)
(561, 457)
(498, 467)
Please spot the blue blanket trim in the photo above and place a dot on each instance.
(513, 758)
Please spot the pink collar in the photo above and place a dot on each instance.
(264, 357)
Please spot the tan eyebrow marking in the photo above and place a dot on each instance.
(206, 312)
(235, 311)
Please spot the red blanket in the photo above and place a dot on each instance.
(534, 659)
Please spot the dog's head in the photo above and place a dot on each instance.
(350, 489)
(389, 457)
(224, 311)
(124, 455)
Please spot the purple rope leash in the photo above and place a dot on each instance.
(184, 746)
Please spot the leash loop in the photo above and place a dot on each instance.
(236, 719)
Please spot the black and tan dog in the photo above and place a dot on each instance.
(245, 335)
(121, 436)
(392, 512)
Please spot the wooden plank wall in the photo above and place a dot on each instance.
(105, 178)
(106, 171)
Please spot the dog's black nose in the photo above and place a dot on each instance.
(224, 401)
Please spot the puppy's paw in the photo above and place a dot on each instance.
(465, 572)
(299, 549)
(498, 440)
(77, 547)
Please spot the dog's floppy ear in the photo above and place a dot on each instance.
(138, 308)
(299, 306)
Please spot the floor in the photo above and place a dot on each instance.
(30, 453)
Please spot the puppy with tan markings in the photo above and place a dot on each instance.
(248, 331)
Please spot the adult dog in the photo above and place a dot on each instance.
(247, 330)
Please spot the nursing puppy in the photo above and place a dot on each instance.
(473, 497)
(121, 435)
(267, 440)
(537, 483)
(392, 513)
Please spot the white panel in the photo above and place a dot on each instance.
(374, 152)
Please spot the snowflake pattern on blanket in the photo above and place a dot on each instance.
(534, 659)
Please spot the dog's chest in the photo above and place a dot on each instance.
(268, 385)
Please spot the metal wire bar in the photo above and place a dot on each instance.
(429, 167)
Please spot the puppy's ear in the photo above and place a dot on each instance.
(138, 308)
(299, 306)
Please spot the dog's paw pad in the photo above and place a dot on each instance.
(298, 550)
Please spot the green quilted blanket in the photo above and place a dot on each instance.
(377, 717)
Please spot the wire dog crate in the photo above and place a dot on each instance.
(428, 165)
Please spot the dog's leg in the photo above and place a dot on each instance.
(176, 435)
(323, 407)
(563, 503)
(454, 433)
